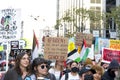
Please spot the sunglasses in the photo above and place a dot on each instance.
(43, 66)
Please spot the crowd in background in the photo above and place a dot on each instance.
(41, 69)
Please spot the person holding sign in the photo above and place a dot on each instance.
(21, 71)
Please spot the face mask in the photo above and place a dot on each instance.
(88, 77)
(74, 69)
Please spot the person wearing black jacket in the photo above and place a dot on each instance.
(112, 71)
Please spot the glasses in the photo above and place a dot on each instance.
(43, 66)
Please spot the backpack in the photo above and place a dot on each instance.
(63, 73)
(66, 76)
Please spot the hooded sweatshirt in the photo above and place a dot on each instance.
(107, 75)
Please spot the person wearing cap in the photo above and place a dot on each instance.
(86, 72)
(40, 69)
(112, 71)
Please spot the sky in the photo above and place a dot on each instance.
(30, 9)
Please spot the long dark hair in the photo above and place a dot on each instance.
(17, 63)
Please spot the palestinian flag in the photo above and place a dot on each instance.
(84, 52)
(74, 55)
(35, 46)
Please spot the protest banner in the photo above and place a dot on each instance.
(102, 43)
(109, 54)
(55, 48)
(10, 26)
(80, 36)
(115, 44)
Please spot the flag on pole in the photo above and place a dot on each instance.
(74, 55)
(84, 52)
(91, 53)
(35, 46)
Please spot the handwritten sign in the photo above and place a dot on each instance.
(10, 26)
(55, 48)
(80, 36)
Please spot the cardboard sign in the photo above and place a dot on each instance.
(109, 54)
(55, 48)
(80, 36)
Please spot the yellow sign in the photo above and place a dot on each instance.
(115, 44)
(1, 48)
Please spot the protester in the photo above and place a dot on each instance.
(104, 66)
(112, 71)
(57, 69)
(73, 75)
(99, 72)
(88, 62)
(86, 73)
(40, 69)
(67, 69)
(68, 64)
(21, 71)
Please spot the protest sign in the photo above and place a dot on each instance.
(55, 48)
(80, 36)
(115, 44)
(109, 54)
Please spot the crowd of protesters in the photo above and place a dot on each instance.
(41, 69)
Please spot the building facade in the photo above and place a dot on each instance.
(80, 24)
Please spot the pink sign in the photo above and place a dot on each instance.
(109, 54)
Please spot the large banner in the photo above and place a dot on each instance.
(10, 24)
(109, 54)
(55, 48)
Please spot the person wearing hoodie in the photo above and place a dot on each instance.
(112, 71)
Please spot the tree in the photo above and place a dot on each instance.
(115, 14)
(79, 16)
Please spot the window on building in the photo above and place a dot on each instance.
(92, 1)
(98, 1)
(95, 1)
